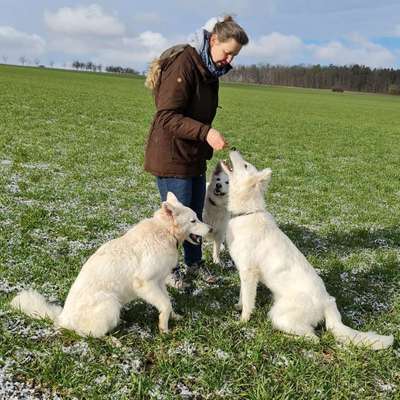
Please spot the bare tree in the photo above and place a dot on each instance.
(23, 60)
(89, 66)
(5, 58)
(51, 63)
(36, 61)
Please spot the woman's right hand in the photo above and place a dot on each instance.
(216, 140)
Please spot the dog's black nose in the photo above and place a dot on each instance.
(218, 186)
(233, 148)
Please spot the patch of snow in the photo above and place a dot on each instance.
(222, 355)
(185, 349)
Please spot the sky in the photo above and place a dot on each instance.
(131, 33)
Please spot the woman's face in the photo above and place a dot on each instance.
(223, 53)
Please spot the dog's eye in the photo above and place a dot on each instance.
(227, 182)
(245, 165)
(218, 179)
(193, 221)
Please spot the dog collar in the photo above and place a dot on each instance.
(212, 201)
(246, 213)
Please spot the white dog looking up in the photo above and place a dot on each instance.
(215, 211)
(134, 265)
(262, 252)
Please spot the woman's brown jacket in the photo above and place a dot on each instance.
(186, 98)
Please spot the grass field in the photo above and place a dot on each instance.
(71, 178)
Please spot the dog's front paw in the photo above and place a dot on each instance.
(244, 317)
(163, 329)
(216, 260)
(175, 316)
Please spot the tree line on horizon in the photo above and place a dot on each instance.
(90, 66)
(338, 78)
(79, 65)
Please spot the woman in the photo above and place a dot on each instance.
(185, 86)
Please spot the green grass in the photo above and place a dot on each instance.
(71, 178)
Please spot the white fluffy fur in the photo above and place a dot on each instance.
(215, 211)
(134, 265)
(262, 252)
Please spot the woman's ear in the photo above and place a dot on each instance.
(213, 39)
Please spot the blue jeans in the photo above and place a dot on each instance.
(190, 192)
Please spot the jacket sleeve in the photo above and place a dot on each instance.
(176, 88)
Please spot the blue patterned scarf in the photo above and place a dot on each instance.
(201, 42)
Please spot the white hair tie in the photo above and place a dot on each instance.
(209, 25)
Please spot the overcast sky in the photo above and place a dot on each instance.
(130, 33)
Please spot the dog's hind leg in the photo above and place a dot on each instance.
(248, 291)
(289, 320)
(174, 315)
(239, 305)
(152, 293)
(216, 249)
(95, 320)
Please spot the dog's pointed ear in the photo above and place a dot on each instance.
(171, 198)
(261, 178)
(170, 205)
(168, 208)
(225, 168)
(265, 175)
(218, 168)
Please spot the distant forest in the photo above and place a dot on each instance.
(354, 78)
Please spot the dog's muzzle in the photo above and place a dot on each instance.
(194, 239)
(217, 192)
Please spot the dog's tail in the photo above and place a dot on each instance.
(347, 335)
(35, 305)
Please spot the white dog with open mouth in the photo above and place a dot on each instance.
(262, 252)
(134, 265)
(215, 211)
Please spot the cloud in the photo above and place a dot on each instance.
(90, 20)
(356, 50)
(274, 48)
(277, 48)
(152, 40)
(88, 33)
(130, 51)
(150, 18)
(136, 51)
(14, 44)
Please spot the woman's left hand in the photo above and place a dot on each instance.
(216, 140)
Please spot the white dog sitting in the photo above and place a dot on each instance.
(134, 265)
(262, 252)
(215, 211)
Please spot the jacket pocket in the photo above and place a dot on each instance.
(185, 151)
